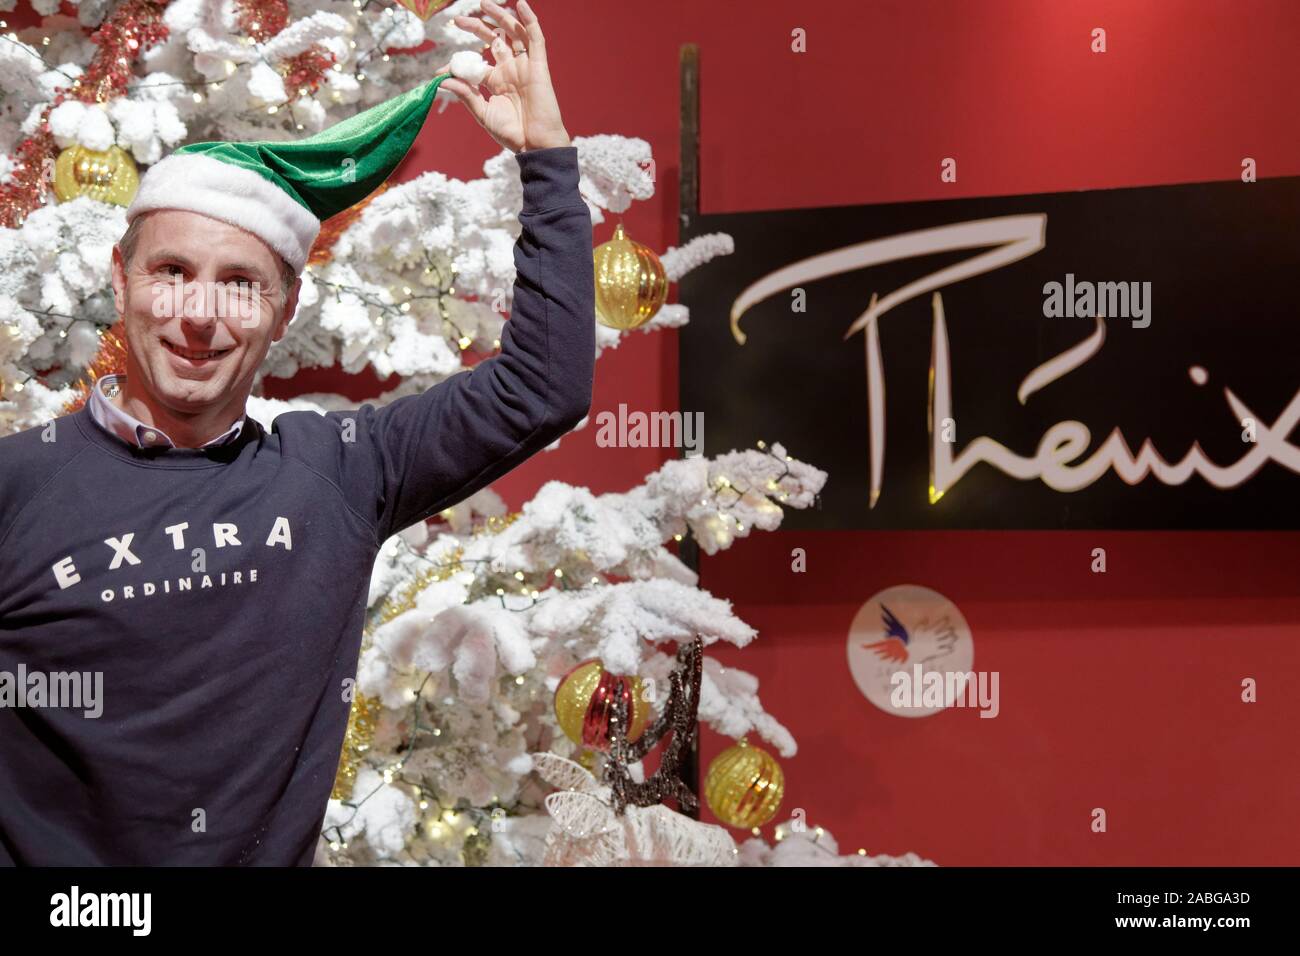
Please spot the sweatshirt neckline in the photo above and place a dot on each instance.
(162, 456)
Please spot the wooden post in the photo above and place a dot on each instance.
(688, 209)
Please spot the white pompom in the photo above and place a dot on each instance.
(470, 67)
(65, 119)
(95, 131)
(83, 343)
(266, 85)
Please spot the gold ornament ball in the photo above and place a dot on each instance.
(109, 176)
(631, 284)
(744, 786)
(584, 704)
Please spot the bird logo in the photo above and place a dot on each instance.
(893, 647)
(935, 641)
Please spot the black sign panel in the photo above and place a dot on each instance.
(1124, 358)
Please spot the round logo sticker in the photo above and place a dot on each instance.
(910, 651)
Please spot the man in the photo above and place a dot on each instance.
(182, 593)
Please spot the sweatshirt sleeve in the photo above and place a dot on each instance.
(423, 453)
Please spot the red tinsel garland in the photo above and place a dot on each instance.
(262, 19)
(132, 27)
(305, 71)
(30, 181)
(110, 360)
(322, 250)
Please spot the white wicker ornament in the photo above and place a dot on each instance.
(585, 831)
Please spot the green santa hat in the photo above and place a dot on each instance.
(280, 192)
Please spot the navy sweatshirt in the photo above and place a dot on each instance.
(218, 595)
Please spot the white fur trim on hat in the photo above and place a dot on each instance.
(233, 194)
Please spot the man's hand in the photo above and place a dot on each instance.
(520, 112)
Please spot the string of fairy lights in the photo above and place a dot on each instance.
(443, 826)
(721, 484)
(444, 289)
(444, 822)
(262, 31)
(231, 67)
(12, 38)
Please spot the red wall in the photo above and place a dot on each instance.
(1118, 691)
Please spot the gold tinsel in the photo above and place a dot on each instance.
(7, 332)
(495, 524)
(403, 600)
(364, 715)
(362, 720)
(587, 758)
(322, 250)
(474, 851)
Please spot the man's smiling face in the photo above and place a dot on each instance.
(202, 301)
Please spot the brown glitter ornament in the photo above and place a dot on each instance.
(678, 718)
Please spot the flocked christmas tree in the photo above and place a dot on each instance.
(477, 617)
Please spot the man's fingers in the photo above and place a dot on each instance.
(536, 43)
(527, 31)
(471, 97)
(491, 38)
(531, 24)
(513, 28)
(481, 27)
(475, 26)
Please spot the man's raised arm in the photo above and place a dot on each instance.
(423, 453)
(435, 449)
